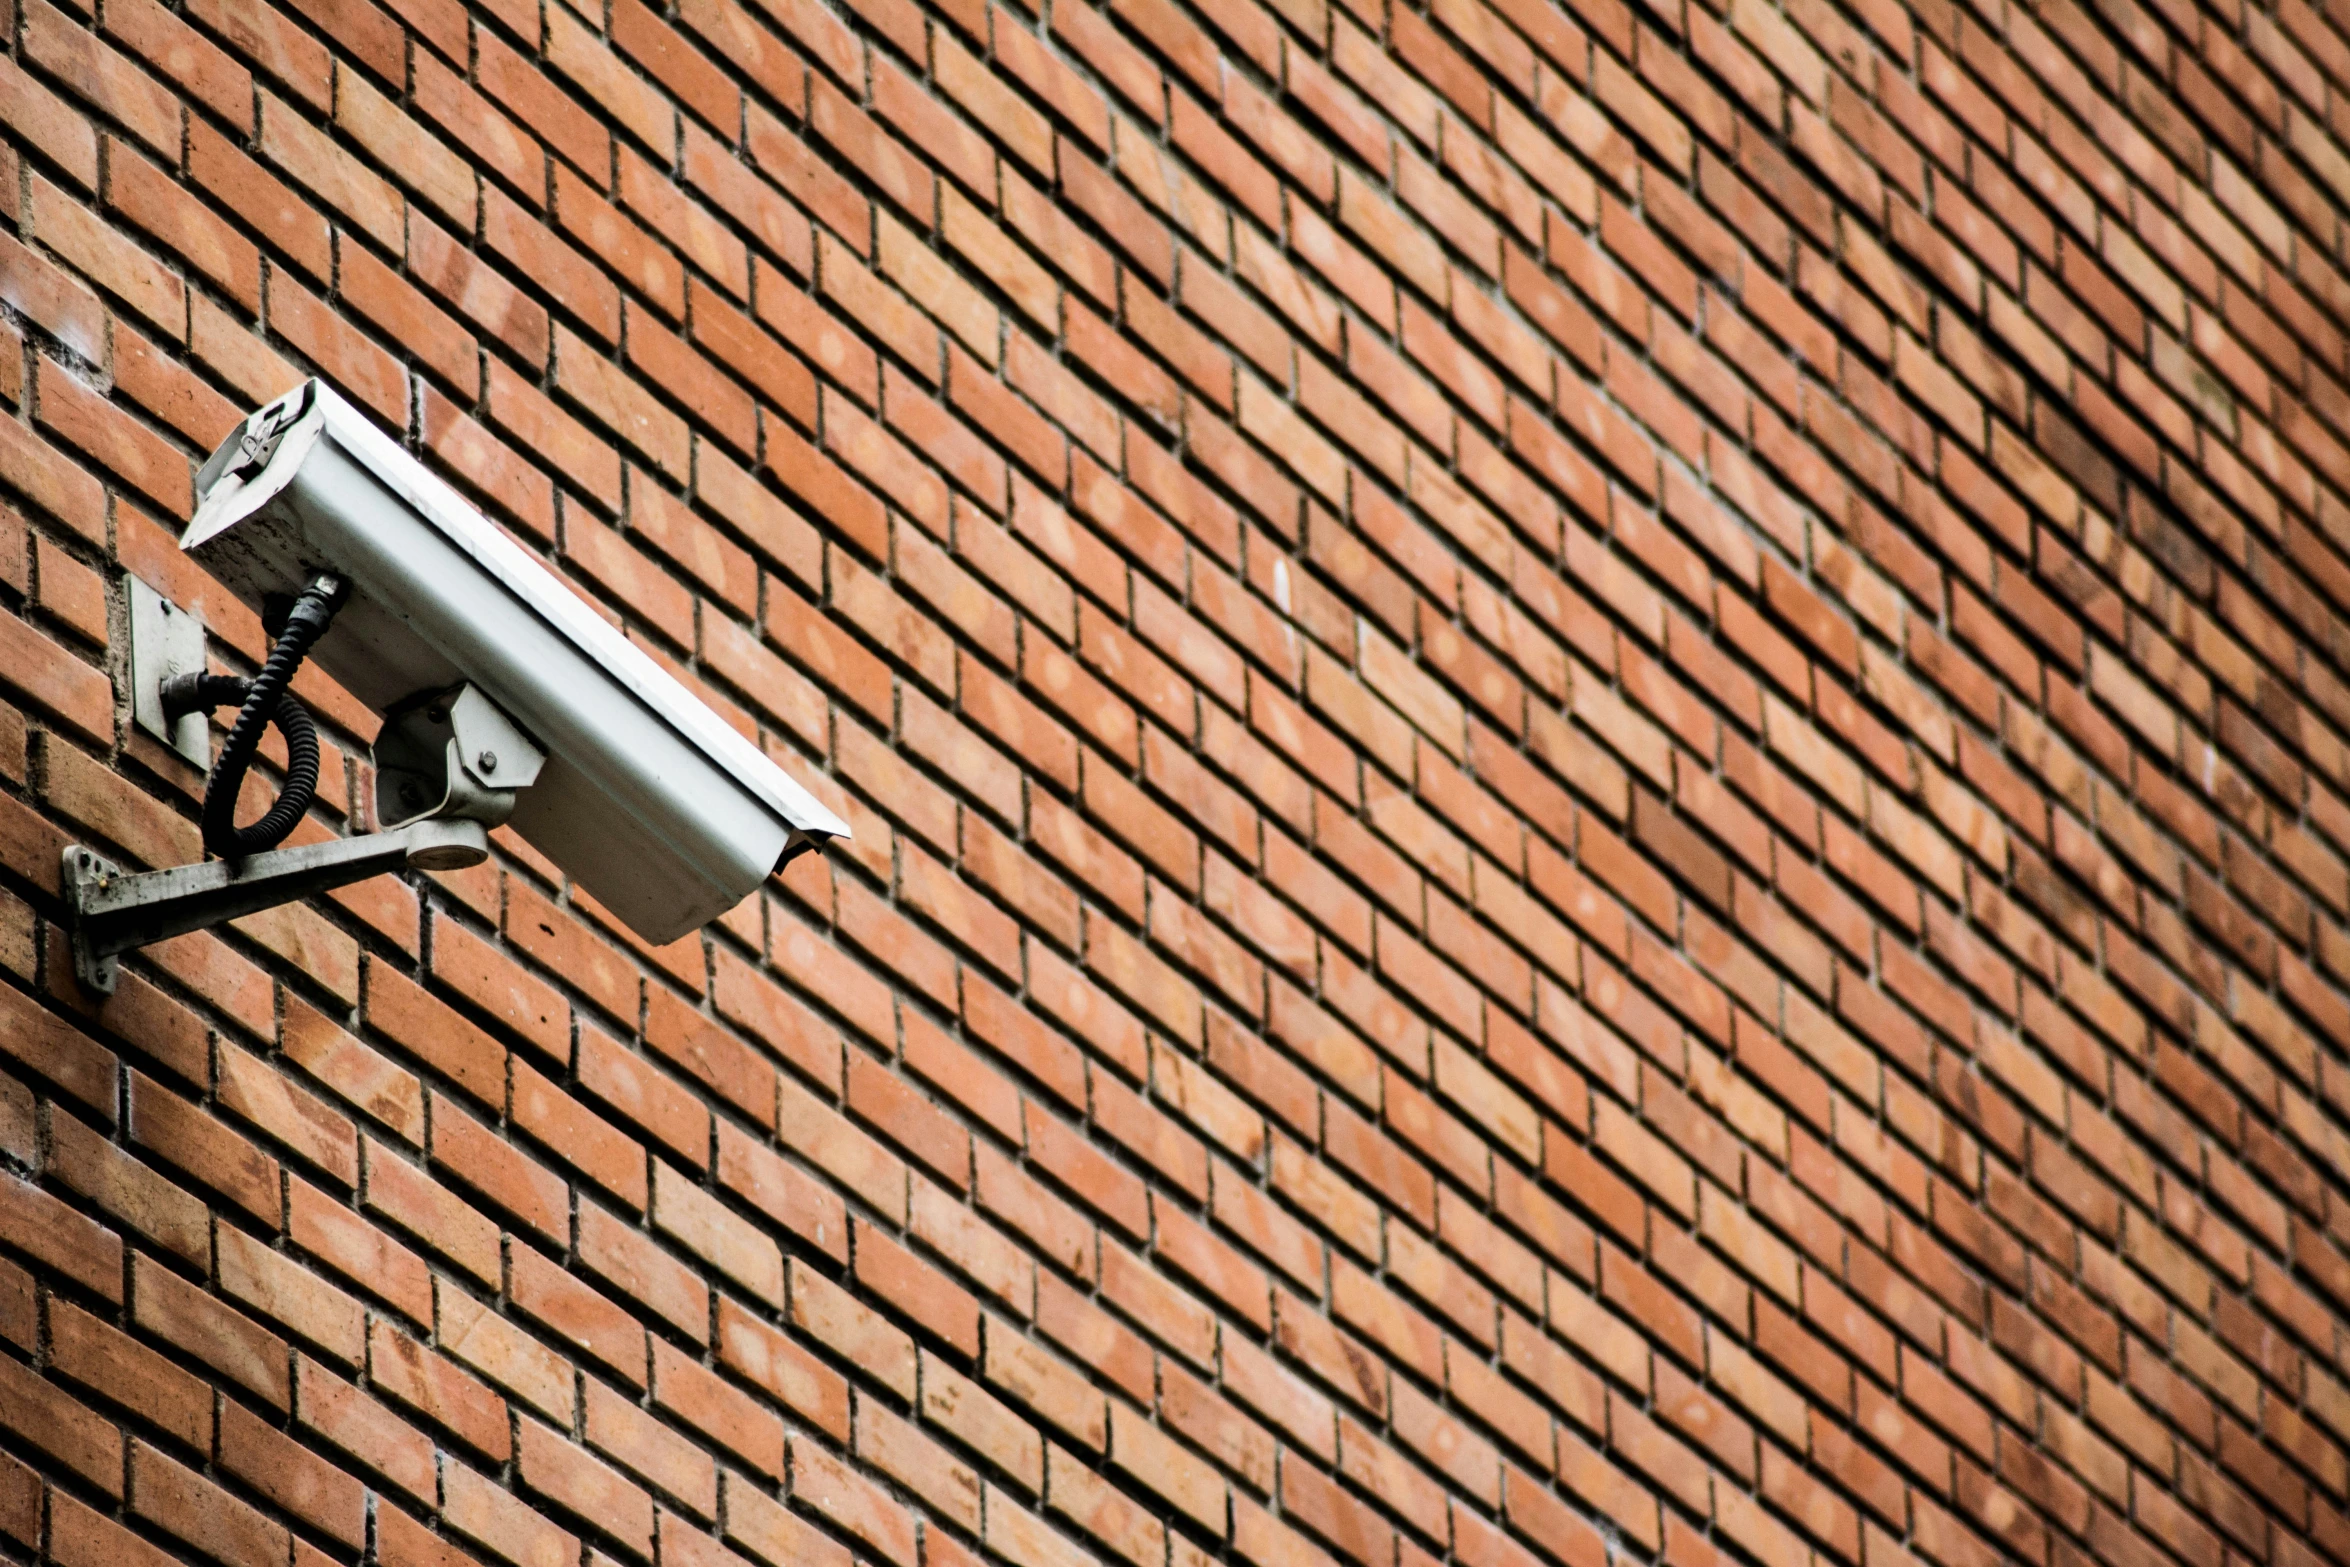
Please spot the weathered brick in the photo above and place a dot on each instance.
(290, 1475)
(207, 1149)
(852, 1502)
(695, 1396)
(177, 1499)
(503, 1524)
(412, 1374)
(123, 1371)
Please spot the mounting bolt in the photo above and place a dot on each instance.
(486, 763)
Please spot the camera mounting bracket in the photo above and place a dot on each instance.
(447, 767)
(110, 911)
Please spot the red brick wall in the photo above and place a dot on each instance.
(1597, 752)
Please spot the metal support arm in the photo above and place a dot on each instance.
(111, 911)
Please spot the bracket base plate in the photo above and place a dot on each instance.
(165, 641)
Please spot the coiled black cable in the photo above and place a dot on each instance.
(261, 701)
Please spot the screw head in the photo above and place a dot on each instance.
(486, 763)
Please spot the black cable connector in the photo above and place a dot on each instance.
(261, 701)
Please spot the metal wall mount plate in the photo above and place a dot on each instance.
(166, 640)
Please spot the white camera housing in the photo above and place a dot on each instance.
(646, 798)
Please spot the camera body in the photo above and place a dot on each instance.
(646, 798)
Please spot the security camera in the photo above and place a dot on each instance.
(505, 698)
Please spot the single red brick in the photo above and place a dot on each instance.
(577, 1315)
(168, 1125)
(120, 1369)
(722, 1062)
(586, 1143)
(290, 1113)
(651, 1450)
(713, 400)
(505, 1353)
(130, 451)
(44, 1416)
(364, 1077)
(824, 1309)
(779, 1538)
(694, 1395)
(1058, 1231)
(79, 1537)
(277, 1287)
(149, 199)
(57, 1237)
(290, 1475)
(780, 1021)
(828, 1486)
(976, 1249)
(627, 1259)
(899, 1448)
(916, 1289)
(177, 1499)
(351, 1246)
(695, 1219)
(48, 1045)
(428, 1028)
(877, 1095)
(784, 1192)
(432, 1213)
(182, 1315)
(929, 887)
(20, 1502)
(503, 1523)
(494, 983)
(585, 1487)
(508, 1178)
(402, 1542)
(897, 942)
(437, 1389)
